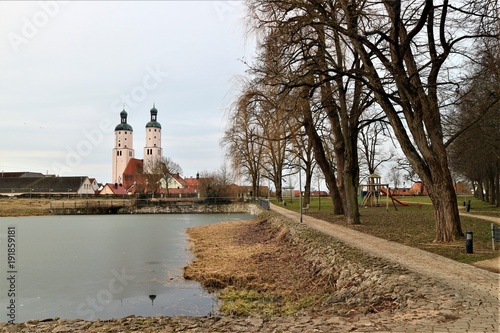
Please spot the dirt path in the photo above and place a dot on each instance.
(483, 217)
(465, 279)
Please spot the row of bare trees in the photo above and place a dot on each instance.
(328, 72)
(475, 154)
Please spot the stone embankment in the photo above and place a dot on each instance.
(182, 207)
(372, 283)
(192, 208)
(384, 297)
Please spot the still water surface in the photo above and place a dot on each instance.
(104, 266)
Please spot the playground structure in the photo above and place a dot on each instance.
(393, 198)
(374, 190)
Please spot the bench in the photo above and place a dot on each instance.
(306, 208)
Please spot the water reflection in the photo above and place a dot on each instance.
(91, 267)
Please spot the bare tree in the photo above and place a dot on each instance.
(395, 176)
(153, 177)
(404, 48)
(309, 51)
(168, 170)
(160, 174)
(476, 151)
(215, 186)
(373, 137)
(243, 139)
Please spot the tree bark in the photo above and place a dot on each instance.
(323, 163)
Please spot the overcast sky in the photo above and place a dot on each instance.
(68, 68)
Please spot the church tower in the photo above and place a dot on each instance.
(152, 151)
(124, 148)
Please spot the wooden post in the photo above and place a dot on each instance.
(387, 199)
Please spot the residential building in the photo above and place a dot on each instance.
(47, 186)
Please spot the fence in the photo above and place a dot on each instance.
(133, 202)
(91, 204)
(264, 203)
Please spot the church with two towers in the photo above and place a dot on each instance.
(123, 151)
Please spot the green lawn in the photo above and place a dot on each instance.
(414, 225)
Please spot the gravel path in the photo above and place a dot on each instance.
(465, 279)
(482, 217)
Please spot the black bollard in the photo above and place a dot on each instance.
(468, 206)
(468, 242)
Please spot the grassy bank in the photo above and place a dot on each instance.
(24, 207)
(277, 267)
(415, 226)
(254, 269)
(42, 206)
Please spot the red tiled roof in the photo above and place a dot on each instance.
(192, 181)
(180, 180)
(116, 189)
(133, 173)
(134, 167)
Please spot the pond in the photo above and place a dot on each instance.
(102, 266)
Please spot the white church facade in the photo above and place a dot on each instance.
(123, 151)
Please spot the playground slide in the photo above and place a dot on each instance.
(395, 199)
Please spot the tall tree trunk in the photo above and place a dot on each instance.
(492, 191)
(351, 180)
(479, 192)
(324, 164)
(279, 190)
(307, 190)
(497, 182)
(445, 204)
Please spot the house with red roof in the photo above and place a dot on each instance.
(114, 189)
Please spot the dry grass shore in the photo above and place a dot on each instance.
(24, 207)
(254, 268)
(264, 269)
(15, 207)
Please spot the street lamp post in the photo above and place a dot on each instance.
(319, 195)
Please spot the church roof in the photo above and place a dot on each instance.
(124, 127)
(153, 122)
(134, 167)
